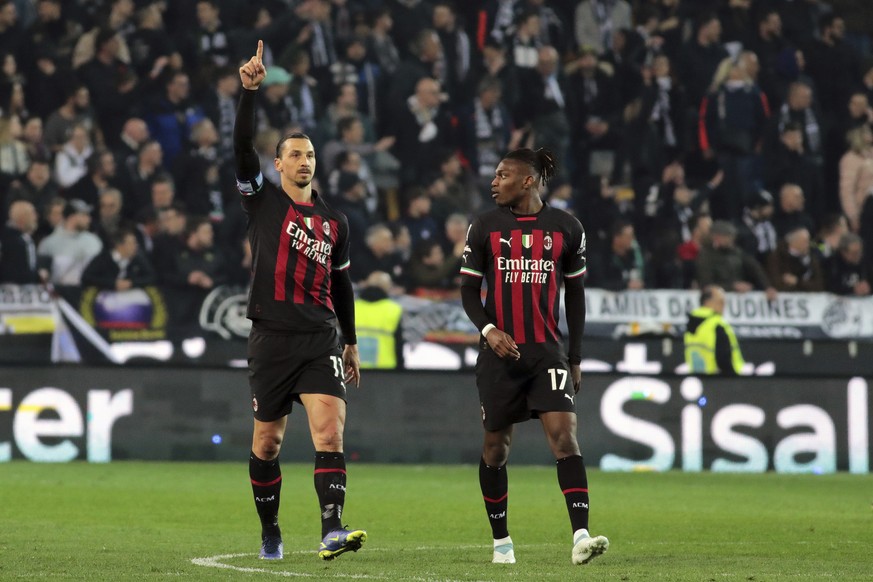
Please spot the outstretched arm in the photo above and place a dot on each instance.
(251, 74)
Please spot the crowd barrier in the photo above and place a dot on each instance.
(626, 422)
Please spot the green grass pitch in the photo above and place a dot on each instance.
(135, 521)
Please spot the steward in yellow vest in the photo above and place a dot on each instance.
(377, 322)
(710, 344)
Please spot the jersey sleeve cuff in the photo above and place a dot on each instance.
(471, 272)
(344, 266)
(575, 274)
(250, 187)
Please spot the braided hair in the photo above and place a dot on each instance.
(542, 161)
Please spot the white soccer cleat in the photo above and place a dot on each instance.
(503, 552)
(586, 548)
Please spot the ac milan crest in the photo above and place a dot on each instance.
(547, 242)
(326, 226)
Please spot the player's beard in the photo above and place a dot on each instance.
(303, 183)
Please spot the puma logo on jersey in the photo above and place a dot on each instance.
(570, 398)
(508, 242)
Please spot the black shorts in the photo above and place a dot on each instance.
(283, 366)
(515, 391)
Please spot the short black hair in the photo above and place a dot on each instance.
(118, 237)
(292, 135)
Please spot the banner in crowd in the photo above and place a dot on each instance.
(629, 423)
(752, 315)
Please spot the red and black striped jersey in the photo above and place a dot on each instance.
(295, 247)
(524, 260)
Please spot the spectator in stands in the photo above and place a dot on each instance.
(658, 129)
(832, 63)
(724, 264)
(377, 322)
(320, 42)
(348, 161)
(69, 249)
(116, 17)
(378, 255)
(197, 173)
(305, 91)
(410, 18)
(50, 217)
(798, 107)
(109, 217)
(846, 272)
(120, 266)
(791, 211)
(454, 236)
(10, 31)
(856, 174)
(54, 30)
(495, 64)
(193, 273)
(47, 82)
(380, 44)
(276, 108)
(351, 201)
(137, 177)
(596, 21)
(831, 230)
(134, 133)
(151, 46)
(33, 139)
(421, 223)
(688, 251)
(76, 110)
(620, 266)
(732, 121)
(344, 104)
(756, 234)
(355, 68)
(793, 266)
(457, 51)
(485, 133)
(100, 176)
(167, 239)
(352, 137)
(450, 190)
(36, 187)
(163, 192)
(789, 163)
(595, 113)
(425, 52)
(769, 44)
(219, 105)
(544, 105)
(431, 268)
(18, 263)
(701, 58)
(672, 226)
(711, 346)
(71, 162)
(209, 45)
(111, 83)
(14, 159)
(171, 118)
(422, 128)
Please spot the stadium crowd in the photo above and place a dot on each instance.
(705, 141)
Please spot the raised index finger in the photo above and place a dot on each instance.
(260, 52)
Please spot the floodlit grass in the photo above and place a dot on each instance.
(131, 521)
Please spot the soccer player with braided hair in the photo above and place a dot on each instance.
(525, 250)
